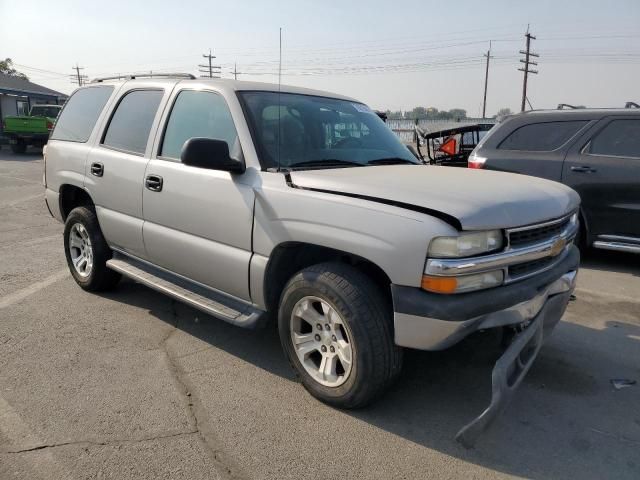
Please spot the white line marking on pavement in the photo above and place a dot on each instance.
(31, 243)
(23, 199)
(35, 182)
(14, 429)
(20, 295)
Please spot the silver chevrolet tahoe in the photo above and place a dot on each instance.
(252, 201)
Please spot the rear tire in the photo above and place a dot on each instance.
(332, 307)
(87, 251)
(19, 147)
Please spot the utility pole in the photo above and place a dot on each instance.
(527, 61)
(280, 63)
(78, 78)
(486, 81)
(210, 69)
(236, 72)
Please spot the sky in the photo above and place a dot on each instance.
(391, 55)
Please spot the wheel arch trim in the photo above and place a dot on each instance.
(268, 275)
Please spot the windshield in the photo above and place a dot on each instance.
(304, 131)
(45, 111)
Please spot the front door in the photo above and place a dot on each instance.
(605, 170)
(198, 222)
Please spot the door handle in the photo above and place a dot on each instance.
(97, 169)
(583, 169)
(153, 183)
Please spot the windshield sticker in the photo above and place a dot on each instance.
(361, 108)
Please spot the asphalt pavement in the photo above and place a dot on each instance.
(130, 384)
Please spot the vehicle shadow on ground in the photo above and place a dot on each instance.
(609, 261)
(439, 392)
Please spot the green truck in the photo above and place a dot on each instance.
(32, 129)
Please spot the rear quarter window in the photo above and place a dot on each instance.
(541, 137)
(80, 113)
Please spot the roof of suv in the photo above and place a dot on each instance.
(229, 85)
(575, 114)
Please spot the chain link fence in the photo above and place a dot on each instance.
(405, 128)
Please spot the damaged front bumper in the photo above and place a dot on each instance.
(534, 307)
(515, 362)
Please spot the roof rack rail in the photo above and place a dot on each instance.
(631, 105)
(133, 76)
(562, 106)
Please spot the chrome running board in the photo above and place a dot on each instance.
(209, 301)
(618, 243)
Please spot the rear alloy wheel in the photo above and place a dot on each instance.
(87, 251)
(80, 250)
(336, 328)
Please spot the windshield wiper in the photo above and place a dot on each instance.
(391, 161)
(325, 163)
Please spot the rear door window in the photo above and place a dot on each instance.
(80, 114)
(620, 138)
(198, 114)
(541, 137)
(131, 122)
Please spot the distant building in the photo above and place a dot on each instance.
(17, 96)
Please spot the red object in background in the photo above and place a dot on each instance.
(49, 125)
(448, 147)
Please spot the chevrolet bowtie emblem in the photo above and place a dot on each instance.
(558, 246)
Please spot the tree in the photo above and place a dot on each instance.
(417, 113)
(458, 113)
(503, 112)
(6, 67)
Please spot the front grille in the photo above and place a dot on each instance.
(522, 269)
(537, 234)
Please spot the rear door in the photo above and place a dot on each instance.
(198, 222)
(604, 168)
(533, 148)
(116, 165)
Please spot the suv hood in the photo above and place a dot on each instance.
(478, 199)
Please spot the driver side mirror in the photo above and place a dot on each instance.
(211, 154)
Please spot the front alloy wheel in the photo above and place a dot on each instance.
(321, 341)
(336, 328)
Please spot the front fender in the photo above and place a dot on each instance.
(394, 239)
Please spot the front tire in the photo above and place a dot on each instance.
(87, 251)
(336, 330)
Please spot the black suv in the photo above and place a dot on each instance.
(594, 151)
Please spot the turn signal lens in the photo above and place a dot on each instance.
(439, 284)
(461, 284)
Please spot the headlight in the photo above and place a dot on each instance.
(464, 283)
(466, 244)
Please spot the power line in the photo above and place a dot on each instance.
(527, 61)
(210, 69)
